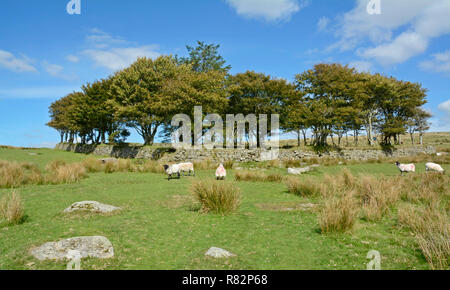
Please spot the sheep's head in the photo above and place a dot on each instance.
(397, 163)
(166, 167)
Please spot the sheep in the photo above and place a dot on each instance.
(221, 172)
(172, 170)
(406, 167)
(187, 167)
(434, 167)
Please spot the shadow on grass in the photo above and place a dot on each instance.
(26, 218)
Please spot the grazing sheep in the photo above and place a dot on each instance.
(406, 167)
(434, 167)
(221, 172)
(172, 170)
(187, 167)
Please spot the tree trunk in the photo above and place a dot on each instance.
(370, 129)
(304, 137)
(103, 137)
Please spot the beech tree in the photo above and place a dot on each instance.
(257, 93)
(418, 123)
(138, 94)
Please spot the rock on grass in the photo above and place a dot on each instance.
(88, 247)
(218, 253)
(91, 206)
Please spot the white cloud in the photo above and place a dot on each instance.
(445, 107)
(101, 39)
(73, 58)
(442, 123)
(115, 53)
(361, 66)
(52, 69)
(57, 71)
(401, 49)
(11, 62)
(439, 63)
(270, 10)
(439, 125)
(323, 23)
(118, 58)
(421, 21)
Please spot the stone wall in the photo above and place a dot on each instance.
(222, 155)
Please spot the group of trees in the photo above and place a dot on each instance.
(333, 100)
(330, 100)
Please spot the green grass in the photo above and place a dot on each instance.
(160, 228)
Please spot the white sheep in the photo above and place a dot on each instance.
(187, 167)
(171, 170)
(221, 172)
(406, 168)
(434, 167)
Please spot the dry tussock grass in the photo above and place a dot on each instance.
(120, 165)
(217, 197)
(305, 187)
(257, 176)
(14, 174)
(426, 188)
(423, 158)
(93, 165)
(432, 229)
(377, 196)
(11, 208)
(152, 166)
(339, 213)
(59, 172)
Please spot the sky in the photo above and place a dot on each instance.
(47, 53)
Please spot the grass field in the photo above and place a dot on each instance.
(160, 226)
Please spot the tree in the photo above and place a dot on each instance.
(419, 123)
(102, 110)
(59, 117)
(397, 102)
(190, 89)
(295, 115)
(138, 98)
(367, 103)
(204, 58)
(257, 93)
(330, 90)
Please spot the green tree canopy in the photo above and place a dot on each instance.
(204, 58)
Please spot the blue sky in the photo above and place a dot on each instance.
(45, 53)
